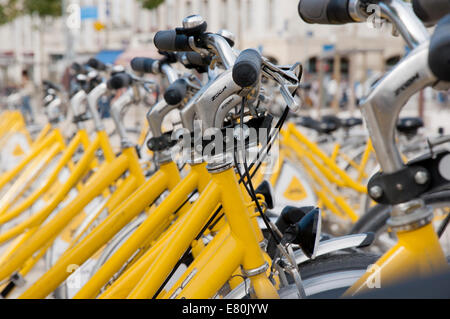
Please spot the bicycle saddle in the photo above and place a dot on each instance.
(326, 126)
(351, 122)
(409, 125)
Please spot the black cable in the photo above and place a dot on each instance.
(249, 181)
(188, 251)
(269, 147)
(444, 225)
(248, 186)
(211, 219)
(271, 139)
(184, 203)
(179, 262)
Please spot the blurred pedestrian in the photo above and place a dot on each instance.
(26, 93)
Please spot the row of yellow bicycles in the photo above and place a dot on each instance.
(214, 196)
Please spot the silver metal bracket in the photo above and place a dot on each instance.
(255, 271)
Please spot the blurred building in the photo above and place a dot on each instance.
(116, 26)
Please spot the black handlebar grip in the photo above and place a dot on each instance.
(119, 81)
(247, 68)
(169, 40)
(196, 59)
(439, 53)
(430, 11)
(96, 64)
(144, 65)
(176, 92)
(324, 11)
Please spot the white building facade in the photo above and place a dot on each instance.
(273, 25)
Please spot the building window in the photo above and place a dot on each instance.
(188, 8)
(204, 9)
(169, 15)
(270, 14)
(249, 14)
(224, 14)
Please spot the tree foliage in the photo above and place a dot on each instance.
(44, 8)
(151, 4)
(10, 9)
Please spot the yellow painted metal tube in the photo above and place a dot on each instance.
(44, 131)
(17, 242)
(130, 278)
(30, 200)
(26, 178)
(365, 158)
(37, 218)
(101, 234)
(100, 180)
(316, 150)
(53, 137)
(146, 229)
(211, 269)
(167, 259)
(242, 228)
(58, 273)
(417, 253)
(339, 207)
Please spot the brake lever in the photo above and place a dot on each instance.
(286, 77)
(287, 72)
(286, 90)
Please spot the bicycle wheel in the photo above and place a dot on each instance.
(327, 276)
(376, 217)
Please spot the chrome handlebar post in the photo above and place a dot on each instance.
(407, 23)
(127, 98)
(212, 96)
(75, 103)
(382, 106)
(220, 47)
(92, 100)
(169, 72)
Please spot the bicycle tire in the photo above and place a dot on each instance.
(374, 220)
(330, 276)
(327, 276)
(376, 216)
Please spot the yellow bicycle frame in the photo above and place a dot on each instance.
(105, 176)
(160, 259)
(417, 253)
(150, 229)
(6, 214)
(166, 177)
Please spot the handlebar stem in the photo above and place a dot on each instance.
(407, 23)
(383, 105)
(169, 72)
(221, 48)
(92, 99)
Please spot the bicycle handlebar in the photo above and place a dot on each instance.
(119, 81)
(169, 40)
(431, 11)
(325, 11)
(193, 59)
(176, 92)
(144, 65)
(247, 68)
(96, 64)
(439, 51)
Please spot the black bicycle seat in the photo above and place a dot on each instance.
(351, 122)
(327, 125)
(409, 125)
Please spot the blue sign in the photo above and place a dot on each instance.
(328, 47)
(89, 12)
